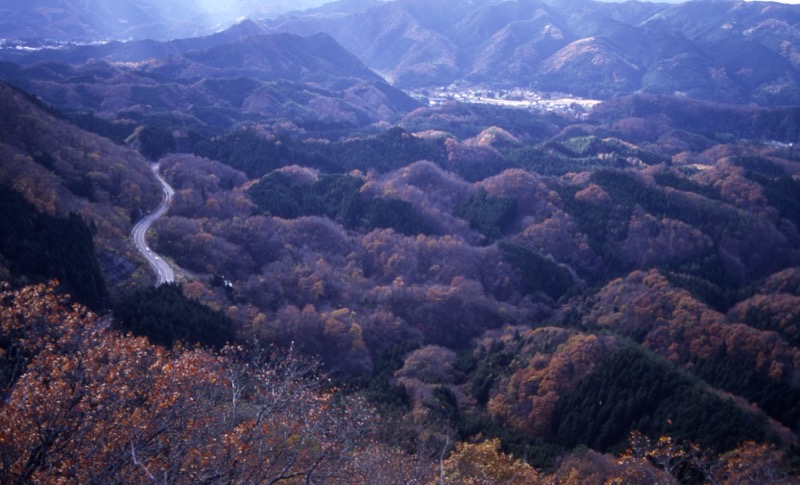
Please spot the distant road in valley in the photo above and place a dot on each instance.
(163, 270)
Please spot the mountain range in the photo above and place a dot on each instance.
(724, 51)
(209, 83)
(732, 52)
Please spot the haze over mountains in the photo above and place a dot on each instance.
(737, 52)
(725, 51)
(100, 20)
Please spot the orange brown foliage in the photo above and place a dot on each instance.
(527, 399)
(678, 327)
(89, 405)
(485, 464)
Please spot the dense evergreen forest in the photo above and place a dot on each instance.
(257, 155)
(166, 317)
(36, 247)
(336, 197)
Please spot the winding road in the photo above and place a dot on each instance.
(163, 270)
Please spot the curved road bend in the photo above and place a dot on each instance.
(163, 270)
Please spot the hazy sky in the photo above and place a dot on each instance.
(794, 2)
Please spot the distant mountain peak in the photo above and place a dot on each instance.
(246, 27)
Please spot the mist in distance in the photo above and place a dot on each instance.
(99, 20)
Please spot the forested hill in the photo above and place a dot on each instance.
(70, 199)
(36, 245)
(498, 287)
(200, 87)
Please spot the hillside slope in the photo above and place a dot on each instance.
(62, 170)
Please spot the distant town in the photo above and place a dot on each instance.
(510, 98)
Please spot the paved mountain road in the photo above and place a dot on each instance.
(164, 272)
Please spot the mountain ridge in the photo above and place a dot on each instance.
(241, 75)
(632, 47)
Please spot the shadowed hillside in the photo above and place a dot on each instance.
(64, 172)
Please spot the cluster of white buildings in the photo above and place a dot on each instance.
(509, 98)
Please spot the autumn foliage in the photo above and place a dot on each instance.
(85, 404)
(549, 300)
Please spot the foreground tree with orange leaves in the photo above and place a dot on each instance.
(484, 464)
(85, 404)
(82, 403)
(667, 462)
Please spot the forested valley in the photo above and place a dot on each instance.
(454, 294)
